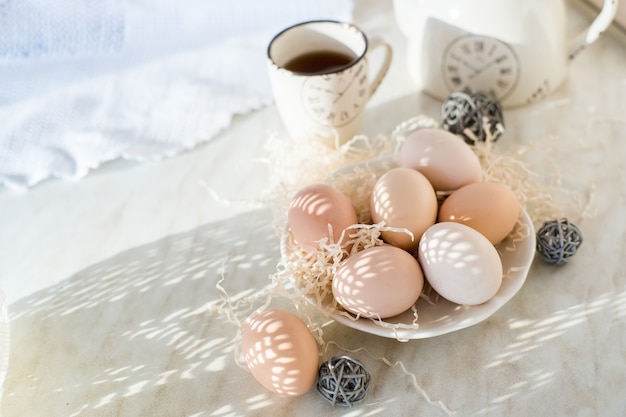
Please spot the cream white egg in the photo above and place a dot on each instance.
(460, 263)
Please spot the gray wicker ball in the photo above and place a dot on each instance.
(343, 380)
(558, 240)
(473, 116)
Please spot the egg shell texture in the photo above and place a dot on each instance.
(460, 263)
(404, 198)
(443, 157)
(313, 208)
(378, 282)
(488, 207)
(280, 352)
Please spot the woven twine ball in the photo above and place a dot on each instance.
(343, 380)
(474, 116)
(558, 240)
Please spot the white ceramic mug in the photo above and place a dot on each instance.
(319, 99)
(516, 51)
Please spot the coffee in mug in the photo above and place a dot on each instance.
(319, 62)
(319, 72)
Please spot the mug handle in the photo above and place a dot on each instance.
(384, 67)
(593, 32)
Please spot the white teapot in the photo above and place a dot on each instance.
(515, 51)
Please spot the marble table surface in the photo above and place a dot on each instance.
(111, 281)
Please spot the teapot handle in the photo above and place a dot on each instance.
(593, 32)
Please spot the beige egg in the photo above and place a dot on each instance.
(280, 352)
(378, 282)
(403, 198)
(488, 207)
(313, 209)
(460, 263)
(443, 157)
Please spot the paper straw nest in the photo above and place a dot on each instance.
(305, 278)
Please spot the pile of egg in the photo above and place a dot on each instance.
(449, 244)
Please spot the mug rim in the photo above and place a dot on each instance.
(345, 25)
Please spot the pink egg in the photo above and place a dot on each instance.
(403, 198)
(379, 282)
(280, 352)
(443, 157)
(313, 209)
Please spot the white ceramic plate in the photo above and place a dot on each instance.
(445, 316)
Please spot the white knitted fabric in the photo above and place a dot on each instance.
(87, 81)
